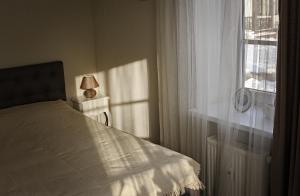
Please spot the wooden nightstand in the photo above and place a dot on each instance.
(96, 108)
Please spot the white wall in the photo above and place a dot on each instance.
(34, 31)
(126, 63)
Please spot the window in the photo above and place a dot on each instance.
(260, 35)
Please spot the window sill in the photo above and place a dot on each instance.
(255, 119)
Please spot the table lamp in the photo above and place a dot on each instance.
(88, 84)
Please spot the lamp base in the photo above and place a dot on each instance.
(90, 93)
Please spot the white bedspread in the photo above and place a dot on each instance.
(50, 149)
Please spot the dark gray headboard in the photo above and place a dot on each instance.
(32, 83)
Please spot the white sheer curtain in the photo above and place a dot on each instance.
(210, 52)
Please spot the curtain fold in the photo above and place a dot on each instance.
(167, 76)
(285, 169)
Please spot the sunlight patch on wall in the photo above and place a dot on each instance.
(129, 92)
(128, 88)
(132, 117)
(129, 82)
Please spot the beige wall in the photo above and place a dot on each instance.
(126, 63)
(115, 39)
(35, 31)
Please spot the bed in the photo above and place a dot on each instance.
(47, 148)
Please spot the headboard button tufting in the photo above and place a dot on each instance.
(28, 84)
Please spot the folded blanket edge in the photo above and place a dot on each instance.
(196, 184)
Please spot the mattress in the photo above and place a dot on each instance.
(48, 148)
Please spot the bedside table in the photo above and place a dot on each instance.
(94, 108)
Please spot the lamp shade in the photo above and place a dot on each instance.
(89, 82)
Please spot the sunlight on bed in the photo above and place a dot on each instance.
(138, 167)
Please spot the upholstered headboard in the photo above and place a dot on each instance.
(32, 83)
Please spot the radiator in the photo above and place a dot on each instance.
(244, 179)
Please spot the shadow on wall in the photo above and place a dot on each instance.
(128, 88)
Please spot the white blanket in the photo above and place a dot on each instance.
(50, 149)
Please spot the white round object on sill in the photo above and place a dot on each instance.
(242, 100)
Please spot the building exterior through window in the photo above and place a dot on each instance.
(260, 35)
